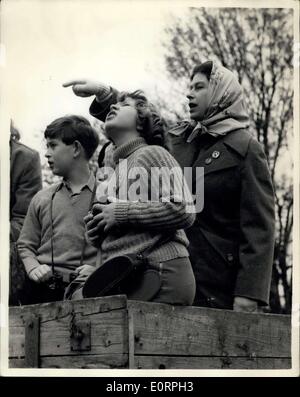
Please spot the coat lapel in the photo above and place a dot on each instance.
(184, 152)
(216, 158)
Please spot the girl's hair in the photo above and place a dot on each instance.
(204, 68)
(149, 123)
(74, 128)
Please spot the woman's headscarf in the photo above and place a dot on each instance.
(226, 109)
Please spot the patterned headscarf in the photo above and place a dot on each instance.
(226, 109)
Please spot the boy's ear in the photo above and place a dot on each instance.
(77, 148)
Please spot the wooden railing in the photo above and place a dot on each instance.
(113, 332)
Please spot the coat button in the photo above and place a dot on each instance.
(208, 160)
(230, 257)
(216, 154)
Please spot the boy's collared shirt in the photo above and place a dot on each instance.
(68, 211)
(65, 186)
(90, 185)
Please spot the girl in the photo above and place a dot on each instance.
(148, 211)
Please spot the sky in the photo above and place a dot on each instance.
(49, 42)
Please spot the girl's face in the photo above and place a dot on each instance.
(121, 117)
(197, 96)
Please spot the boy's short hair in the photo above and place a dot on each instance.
(74, 128)
(149, 124)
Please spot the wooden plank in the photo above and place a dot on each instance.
(180, 362)
(109, 324)
(167, 330)
(32, 341)
(131, 342)
(105, 361)
(56, 310)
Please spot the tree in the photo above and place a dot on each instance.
(257, 45)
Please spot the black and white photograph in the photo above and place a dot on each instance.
(149, 188)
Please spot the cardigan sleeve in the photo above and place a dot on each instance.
(168, 206)
(257, 225)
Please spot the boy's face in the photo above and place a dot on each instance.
(122, 116)
(60, 156)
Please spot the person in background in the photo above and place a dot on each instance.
(25, 182)
(232, 239)
(52, 241)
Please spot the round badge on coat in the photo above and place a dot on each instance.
(216, 154)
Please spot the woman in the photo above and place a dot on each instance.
(141, 213)
(232, 240)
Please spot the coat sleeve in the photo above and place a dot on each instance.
(100, 108)
(257, 224)
(28, 184)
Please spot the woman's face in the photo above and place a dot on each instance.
(121, 117)
(197, 96)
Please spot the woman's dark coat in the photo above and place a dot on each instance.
(232, 240)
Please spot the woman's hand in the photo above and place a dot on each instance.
(86, 88)
(242, 304)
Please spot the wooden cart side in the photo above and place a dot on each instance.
(193, 337)
(112, 332)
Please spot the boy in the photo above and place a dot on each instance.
(53, 235)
